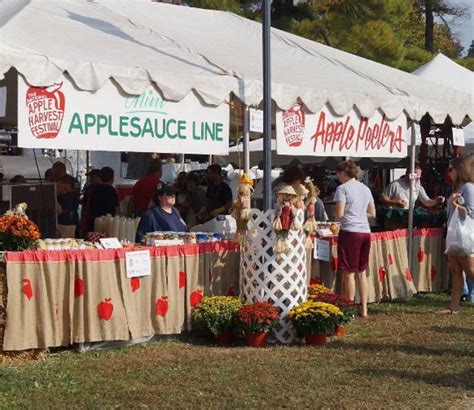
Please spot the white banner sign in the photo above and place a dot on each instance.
(256, 120)
(322, 250)
(138, 263)
(326, 135)
(458, 137)
(62, 117)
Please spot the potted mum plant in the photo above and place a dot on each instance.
(317, 288)
(215, 315)
(257, 320)
(17, 232)
(314, 321)
(346, 305)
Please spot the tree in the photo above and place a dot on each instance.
(470, 52)
(443, 9)
(392, 32)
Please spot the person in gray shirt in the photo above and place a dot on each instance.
(354, 206)
(397, 194)
(461, 172)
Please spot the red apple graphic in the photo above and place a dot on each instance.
(135, 284)
(195, 298)
(105, 309)
(161, 306)
(408, 275)
(294, 125)
(334, 263)
(433, 272)
(27, 288)
(390, 259)
(421, 255)
(78, 286)
(182, 279)
(45, 110)
(230, 291)
(382, 273)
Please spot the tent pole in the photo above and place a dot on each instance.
(411, 209)
(246, 140)
(267, 109)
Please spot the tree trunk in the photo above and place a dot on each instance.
(429, 25)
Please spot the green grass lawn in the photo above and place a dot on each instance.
(405, 355)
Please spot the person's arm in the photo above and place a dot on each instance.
(454, 203)
(339, 210)
(144, 226)
(393, 202)
(427, 201)
(371, 213)
(340, 199)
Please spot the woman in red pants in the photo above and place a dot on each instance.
(354, 205)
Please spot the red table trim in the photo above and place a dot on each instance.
(102, 255)
(397, 234)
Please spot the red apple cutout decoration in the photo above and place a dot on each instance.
(78, 287)
(433, 273)
(161, 306)
(182, 279)
(196, 298)
(105, 309)
(45, 110)
(421, 255)
(390, 259)
(408, 275)
(382, 273)
(27, 288)
(135, 284)
(230, 291)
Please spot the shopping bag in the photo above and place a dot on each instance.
(460, 236)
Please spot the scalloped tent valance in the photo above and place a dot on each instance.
(181, 50)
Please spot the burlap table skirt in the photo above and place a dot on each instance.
(58, 298)
(388, 273)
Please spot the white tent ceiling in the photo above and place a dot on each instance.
(179, 49)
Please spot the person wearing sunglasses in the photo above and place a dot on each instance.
(162, 217)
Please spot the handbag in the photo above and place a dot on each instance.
(460, 235)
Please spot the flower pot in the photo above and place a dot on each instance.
(257, 339)
(339, 330)
(226, 337)
(315, 339)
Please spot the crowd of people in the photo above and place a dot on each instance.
(192, 200)
(188, 201)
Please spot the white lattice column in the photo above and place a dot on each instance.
(265, 277)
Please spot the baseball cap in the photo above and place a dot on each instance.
(163, 189)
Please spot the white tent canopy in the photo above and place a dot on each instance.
(444, 71)
(255, 148)
(179, 49)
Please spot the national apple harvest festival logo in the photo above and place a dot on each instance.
(294, 125)
(45, 110)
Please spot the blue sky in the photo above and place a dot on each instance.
(465, 27)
